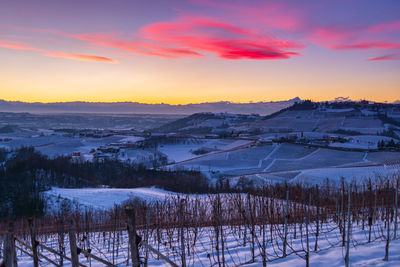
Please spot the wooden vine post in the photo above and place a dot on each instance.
(10, 256)
(34, 243)
(131, 221)
(72, 244)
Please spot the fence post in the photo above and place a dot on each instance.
(147, 222)
(34, 243)
(343, 220)
(182, 233)
(263, 223)
(60, 233)
(396, 209)
(131, 221)
(371, 212)
(317, 219)
(10, 256)
(307, 232)
(348, 228)
(386, 258)
(72, 244)
(286, 222)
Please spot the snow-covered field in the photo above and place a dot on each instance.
(106, 198)
(184, 151)
(287, 158)
(251, 159)
(359, 174)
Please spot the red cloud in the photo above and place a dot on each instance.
(80, 57)
(17, 45)
(223, 39)
(193, 36)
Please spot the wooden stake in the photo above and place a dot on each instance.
(348, 229)
(33, 242)
(131, 221)
(72, 244)
(10, 257)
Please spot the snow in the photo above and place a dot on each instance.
(365, 255)
(106, 198)
(131, 139)
(368, 112)
(246, 160)
(358, 174)
(330, 252)
(183, 151)
(319, 176)
(338, 110)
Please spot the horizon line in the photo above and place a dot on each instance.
(193, 103)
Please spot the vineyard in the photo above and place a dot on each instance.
(258, 228)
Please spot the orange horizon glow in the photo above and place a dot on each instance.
(180, 101)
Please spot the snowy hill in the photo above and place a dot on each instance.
(207, 123)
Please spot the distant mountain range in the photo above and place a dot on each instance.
(262, 108)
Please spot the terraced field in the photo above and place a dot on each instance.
(318, 159)
(281, 158)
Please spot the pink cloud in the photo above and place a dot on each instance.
(288, 19)
(368, 45)
(17, 45)
(141, 47)
(274, 15)
(80, 57)
(390, 26)
(193, 36)
(326, 36)
(27, 47)
(263, 31)
(353, 39)
(386, 57)
(226, 40)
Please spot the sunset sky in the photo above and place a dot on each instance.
(195, 51)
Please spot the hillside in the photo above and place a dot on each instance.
(343, 118)
(349, 118)
(201, 123)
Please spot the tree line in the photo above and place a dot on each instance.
(25, 174)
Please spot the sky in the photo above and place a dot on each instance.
(179, 52)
